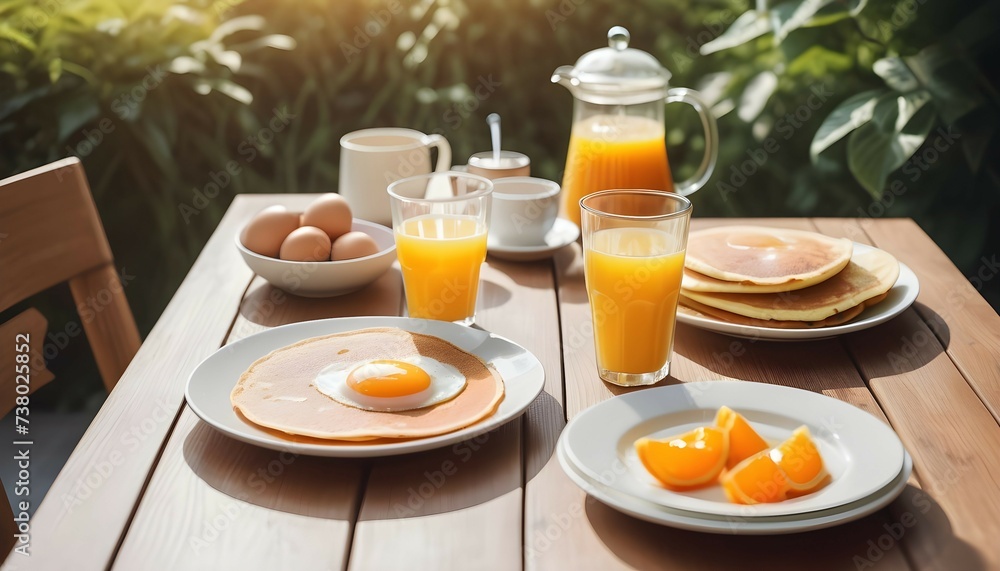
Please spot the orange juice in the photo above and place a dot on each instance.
(440, 257)
(611, 151)
(633, 297)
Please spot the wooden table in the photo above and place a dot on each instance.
(152, 487)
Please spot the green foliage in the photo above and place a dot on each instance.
(850, 93)
(909, 79)
(147, 94)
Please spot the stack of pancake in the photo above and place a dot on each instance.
(775, 277)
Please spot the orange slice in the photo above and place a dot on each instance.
(744, 441)
(686, 461)
(756, 480)
(801, 462)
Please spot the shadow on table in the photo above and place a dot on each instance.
(545, 421)
(871, 542)
(304, 485)
(492, 294)
(467, 474)
(935, 322)
(269, 306)
(900, 345)
(533, 274)
(907, 342)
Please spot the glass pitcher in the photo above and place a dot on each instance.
(617, 140)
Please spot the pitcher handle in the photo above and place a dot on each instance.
(699, 179)
(444, 151)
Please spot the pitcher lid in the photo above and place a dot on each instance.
(616, 74)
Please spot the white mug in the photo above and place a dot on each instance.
(524, 210)
(370, 159)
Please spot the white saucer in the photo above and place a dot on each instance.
(562, 234)
(862, 453)
(902, 294)
(734, 525)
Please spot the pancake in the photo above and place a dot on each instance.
(278, 392)
(700, 310)
(869, 274)
(693, 281)
(756, 255)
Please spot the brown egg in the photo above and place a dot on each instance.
(306, 244)
(268, 229)
(353, 245)
(329, 213)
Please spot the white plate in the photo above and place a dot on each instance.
(211, 382)
(901, 296)
(861, 453)
(562, 234)
(738, 525)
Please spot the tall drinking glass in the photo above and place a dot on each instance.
(440, 222)
(633, 248)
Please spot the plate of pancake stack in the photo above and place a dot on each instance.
(784, 284)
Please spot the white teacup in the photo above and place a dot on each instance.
(524, 210)
(370, 159)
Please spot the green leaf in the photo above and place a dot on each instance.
(13, 104)
(238, 24)
(186, 64)
(898, 128)
(857, 6)
(896, 74)
(55, 70)
(226, 87)
(848, 116)
(75, 112)
(750, 25)
(7, 32)
(835, 12)
(789, 17)
(819, 61)
(755, 95)
(276, 41)
(953, 79)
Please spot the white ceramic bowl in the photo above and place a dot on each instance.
(326, 279)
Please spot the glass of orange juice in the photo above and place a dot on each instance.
(440, 222)
(633, 249)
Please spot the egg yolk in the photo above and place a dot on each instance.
(387, 378)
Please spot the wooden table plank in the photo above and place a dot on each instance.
(899, 350)
(215, 503)
(546, 417)
(101, 482)
(466, 500)
(950, 304)
(584, 534)
(954, 441)
(953, 438)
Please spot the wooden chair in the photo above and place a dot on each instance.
(50, 233)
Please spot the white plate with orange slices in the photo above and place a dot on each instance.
(863, 465)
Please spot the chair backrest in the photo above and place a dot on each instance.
(50, 233)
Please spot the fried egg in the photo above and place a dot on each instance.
(391, 385)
